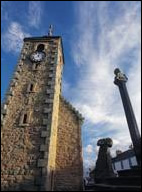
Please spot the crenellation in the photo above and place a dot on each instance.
(10, 92)
(16, 75)
(13, 83)
(18, 70)
(3, 112)
(23, 56)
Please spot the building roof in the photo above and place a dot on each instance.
(124, 155)
(44, 38)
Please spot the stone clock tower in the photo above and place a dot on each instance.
(41, 132)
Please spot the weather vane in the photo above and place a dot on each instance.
(50, 32)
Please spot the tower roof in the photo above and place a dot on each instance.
(42, 38)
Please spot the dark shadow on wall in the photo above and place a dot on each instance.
(67, 179)
(26, 185)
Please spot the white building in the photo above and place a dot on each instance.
(124, 160)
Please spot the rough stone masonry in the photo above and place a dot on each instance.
(40, 131)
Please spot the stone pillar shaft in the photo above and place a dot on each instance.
(131, 120)
(120, 81)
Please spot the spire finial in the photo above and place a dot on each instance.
(50, 32)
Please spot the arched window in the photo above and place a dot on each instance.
(40, 47)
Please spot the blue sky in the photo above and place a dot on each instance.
(97, 37)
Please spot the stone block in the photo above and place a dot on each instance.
(44, 134)
(2, 121)
(45, 121)
(47, 140)
(52, 62)
(8, 99)
(43, 147)
(46, 155)
(3, 111)
(18, 69)
(48, 100)
(52, 68)
(23, 56)
(48, 91)
(46, 110)
(54, 46)
(13, 82)
(44, 171)
(20, 63)
(16, 75)
(51, 75)
(41, 163)
(10, 92)
(54, 50)
(51, 83)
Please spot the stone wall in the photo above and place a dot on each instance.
(25, 147)
(54, 122)
(44, 153)
(69, 166)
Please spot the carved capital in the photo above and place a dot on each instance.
(107, 142)
(119, 77)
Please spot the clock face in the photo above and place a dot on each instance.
(37, 56)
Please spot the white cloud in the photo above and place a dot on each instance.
(102, 44)
(12, 39)
(89, 149)
(34, 15)
(88, 162)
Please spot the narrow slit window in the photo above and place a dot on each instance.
(31, 87)
(25, 119)
(36, 66)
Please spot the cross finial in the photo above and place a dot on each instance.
(50, 32)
